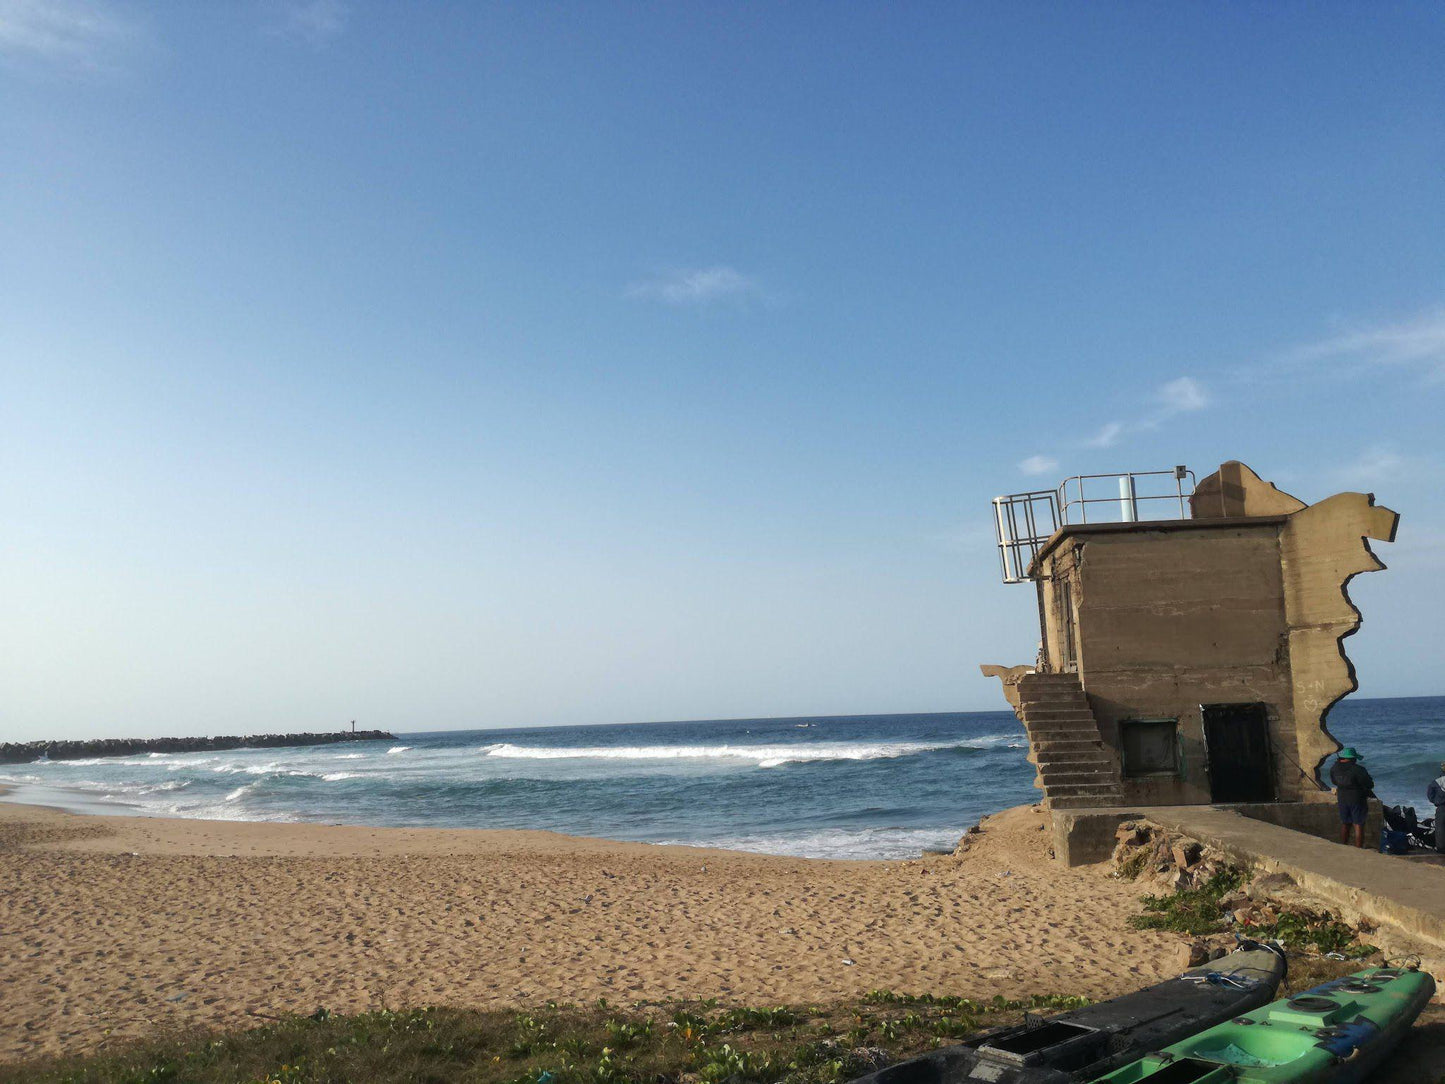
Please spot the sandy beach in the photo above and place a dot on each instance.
(113, 927)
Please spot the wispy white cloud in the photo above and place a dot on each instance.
(73, 34)
(1180, 396)
(1377, 464)
(1039, 464)
(1416, 343)
(1106, 437)
(699, 286)
(315, 22)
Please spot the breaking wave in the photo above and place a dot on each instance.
(763, 756)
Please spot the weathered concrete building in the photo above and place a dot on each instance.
(1188, 660)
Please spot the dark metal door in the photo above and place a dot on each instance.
(1241, 762)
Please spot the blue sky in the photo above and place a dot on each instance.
(453, 365)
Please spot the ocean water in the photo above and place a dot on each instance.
(877, 786)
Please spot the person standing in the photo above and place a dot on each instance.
(1353, 786)
(1435, 795)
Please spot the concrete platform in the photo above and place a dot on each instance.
(1424, 858)
(1409, 895)
(1084, 836)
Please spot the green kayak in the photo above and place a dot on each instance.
(1337, 1032)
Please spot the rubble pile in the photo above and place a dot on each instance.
(1146, 852)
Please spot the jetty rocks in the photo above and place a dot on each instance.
(24, 752)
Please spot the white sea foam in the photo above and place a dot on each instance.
(128, 788)
(270, 768)
(333, 777)
(86, 762)
(349, 756)
(764, 756)
(862, 843)
(397, 749)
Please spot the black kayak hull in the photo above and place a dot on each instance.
(1084, 1043)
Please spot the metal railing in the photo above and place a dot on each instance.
(1024, 522)
(1127, 499)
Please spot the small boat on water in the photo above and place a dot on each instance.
(1084, 1043)
(1336, 1033)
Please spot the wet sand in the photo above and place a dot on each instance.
(124, 926)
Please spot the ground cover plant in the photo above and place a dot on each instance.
(646, 1043)
(642, 1043)
(1193, 911)
(1201, 911)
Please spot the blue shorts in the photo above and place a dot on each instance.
(1352, 814)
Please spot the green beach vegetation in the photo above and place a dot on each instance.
(646, 1043)
(642, 1043)
(1202, 911)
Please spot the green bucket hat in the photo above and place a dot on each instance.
(1348, 753)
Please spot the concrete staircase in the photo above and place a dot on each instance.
(1076, 771)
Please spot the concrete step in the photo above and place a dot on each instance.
(1050, 694)
(1065, 685)
(1037, 678)
(1054, 780)
(1066, 745)
(1075, 760)
(1060, 703)
(1064, 733)
(1094, 764)
(1062, 715)
(1085, 791)
(1087, 749)
(1051, 688)
(1085, 803)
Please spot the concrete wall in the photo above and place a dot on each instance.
(1170, 620)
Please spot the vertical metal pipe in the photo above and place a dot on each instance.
(1128, 499)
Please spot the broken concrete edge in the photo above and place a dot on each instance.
(1009, 677)
(1386, 535)
(1337, 530)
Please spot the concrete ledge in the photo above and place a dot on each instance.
(1320, 819)
(1085, 836)
(1383, 888)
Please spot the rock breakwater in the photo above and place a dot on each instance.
(24, 752)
